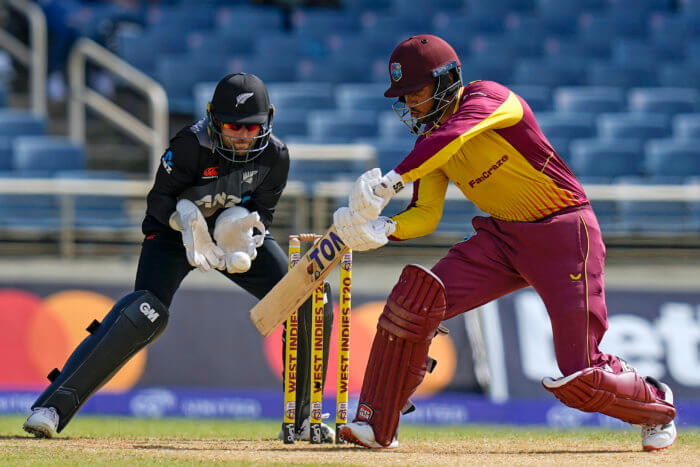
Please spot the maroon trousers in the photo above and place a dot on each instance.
(562, 257)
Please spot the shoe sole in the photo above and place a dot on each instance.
(653, 448)
(39, 432)
(348, 436)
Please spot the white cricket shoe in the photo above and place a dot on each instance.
(655, 437)
(42, 422)
(361, 433)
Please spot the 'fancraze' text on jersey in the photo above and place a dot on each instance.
(190, 169)
(492, 149)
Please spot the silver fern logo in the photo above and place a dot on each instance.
(241, 98)
(248, 176)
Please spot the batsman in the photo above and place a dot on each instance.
(211, 205)
(540, 232)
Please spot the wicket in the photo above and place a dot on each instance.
(291, 347)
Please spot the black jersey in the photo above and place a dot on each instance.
(190, 169)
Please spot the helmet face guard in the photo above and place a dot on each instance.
(229, 151)
(443, 96)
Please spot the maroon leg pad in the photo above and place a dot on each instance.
(398, 359)
(625, 396)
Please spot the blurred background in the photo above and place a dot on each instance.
(91, 91)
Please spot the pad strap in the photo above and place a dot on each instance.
(399, 358)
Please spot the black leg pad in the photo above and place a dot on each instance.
(135, 321)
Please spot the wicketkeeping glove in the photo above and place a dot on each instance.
(233, 232)
(202, 252)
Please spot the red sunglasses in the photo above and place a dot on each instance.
(236, 126)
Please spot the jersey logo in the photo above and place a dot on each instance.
(211, 172)
(241, 98)
(487, 173)
(167, 162)
(395, 71)
(248, 176)
(222, 199)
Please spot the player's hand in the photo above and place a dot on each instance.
(233, 232)
(360, 234)
(202, 252)
(371, 193)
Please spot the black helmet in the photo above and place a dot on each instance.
(240, 98)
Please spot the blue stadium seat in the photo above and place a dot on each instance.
(686, 126)
(614, 74)
(635, 53)
(448, 24)
(220, 43)
(98, 212)
(352, 69)
(283, 69)
(539, 27)
(505, 47)
(497, 7)
(670, 34)
(47, 153)
(690, 8)
(280, 45)
(668, 101)
(570, 47)
(250, 18)
(17, 122)
(589, 99)
(390, 127)
(350, 97)
(363, 45)
(539, 98)
(323, 23)
(397, 24)
(404, 6)
(361, 5)
(311, 171)
(6, 155)
(693, 52)
(203, 93)
(179, 73)
(639, 9)
(309, 96)
(568, 8)
(390, 152)
(290, 124)
(633, 125)
(29, 213)
(566, 126)
(336, 126)
(680, 75)
(669, 157)
(182, 18)
(595, 28)
(487, 68)
(550, 71)
(655, 216)
(606, 158)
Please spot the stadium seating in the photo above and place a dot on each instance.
(390, 152)
(669, 157)
(686, 126)
(6, 154)
(249, 18)
(668, 101)
(684, 75)
(550, 71)
(606, 158)
(17, 122)
(606, 73)
(589, 99)
(362, 97)
(47, 153)
(179, 73)
(342, 126)
(566, 126)
(37, 214)
(539, 98)
(655, 216)
(641, 126)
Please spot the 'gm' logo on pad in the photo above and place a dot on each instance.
(149, 312)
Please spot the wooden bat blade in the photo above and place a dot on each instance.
(299, 283)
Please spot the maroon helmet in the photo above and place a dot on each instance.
(417, 62)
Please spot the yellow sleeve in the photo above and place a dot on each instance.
(423, 214)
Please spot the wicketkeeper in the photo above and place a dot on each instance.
(212, 202)
(540, 232)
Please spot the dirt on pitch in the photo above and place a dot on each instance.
(515, 450)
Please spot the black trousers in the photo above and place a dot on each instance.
(163, 265)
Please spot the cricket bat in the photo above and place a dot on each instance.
(299, 283)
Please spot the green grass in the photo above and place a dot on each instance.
(130, 441)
